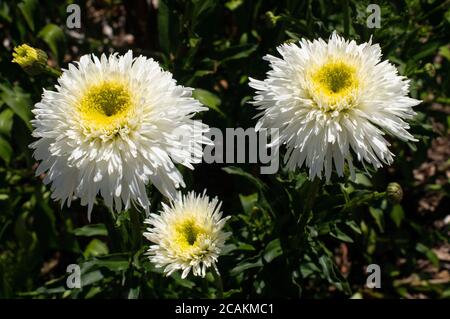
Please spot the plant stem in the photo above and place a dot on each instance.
(136, 231)
(218, 281)
(313, 190)
(53, 71)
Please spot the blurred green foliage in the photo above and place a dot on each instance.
(292, 237)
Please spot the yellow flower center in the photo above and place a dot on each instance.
(334, 82)
(187, 234)
(106, 105)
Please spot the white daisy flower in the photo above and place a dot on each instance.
(187, 235)
(112, 126)
(328, 98)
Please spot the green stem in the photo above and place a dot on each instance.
(313, 190)
(364, 199)
(219, 282)
(136, 231)
(53, 71)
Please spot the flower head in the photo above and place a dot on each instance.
(187, 235)
(31, 60)
(112, 126)
(328, 98)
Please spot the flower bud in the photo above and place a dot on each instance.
(430, 69)
(394, 193)
(32, 61)
(271, 19)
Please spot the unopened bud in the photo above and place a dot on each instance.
(430, 69)
(31, 60)
(394, 193)
(271, 19)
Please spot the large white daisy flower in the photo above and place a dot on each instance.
(113, 125)
(187, 235)
(328, 98)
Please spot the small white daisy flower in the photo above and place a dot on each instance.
(328, 98)
(112, 126)
(187, 235)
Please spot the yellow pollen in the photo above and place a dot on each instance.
(106, 105)
(187, 234)
(334, 81)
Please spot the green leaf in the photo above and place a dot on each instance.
(233, 4)
(18, 101)
(96, 248)
(164, 26)
(114, 262)
(53, 35)
(92, 292)
(445, 52)
(397, 214)
(246, 265)
(377, 215)
(333, 275)
(201, 7)
(339, 234)
(6, 150)
(362, 180)
(182, 282)
(6, 122)
(209, 99)
(308, 268)
(352, 224)
(248, 202)
(231, 292)
(91, 278)
(134, 292)
(91, 230)
(240, 172)
(272, 250)
(242, 54)
(5, 12)
(426, 50)
(27, 8)
(430, 254)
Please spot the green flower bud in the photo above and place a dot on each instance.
(394, 193)
(430, 69)
(271, 19)
(32, 61)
